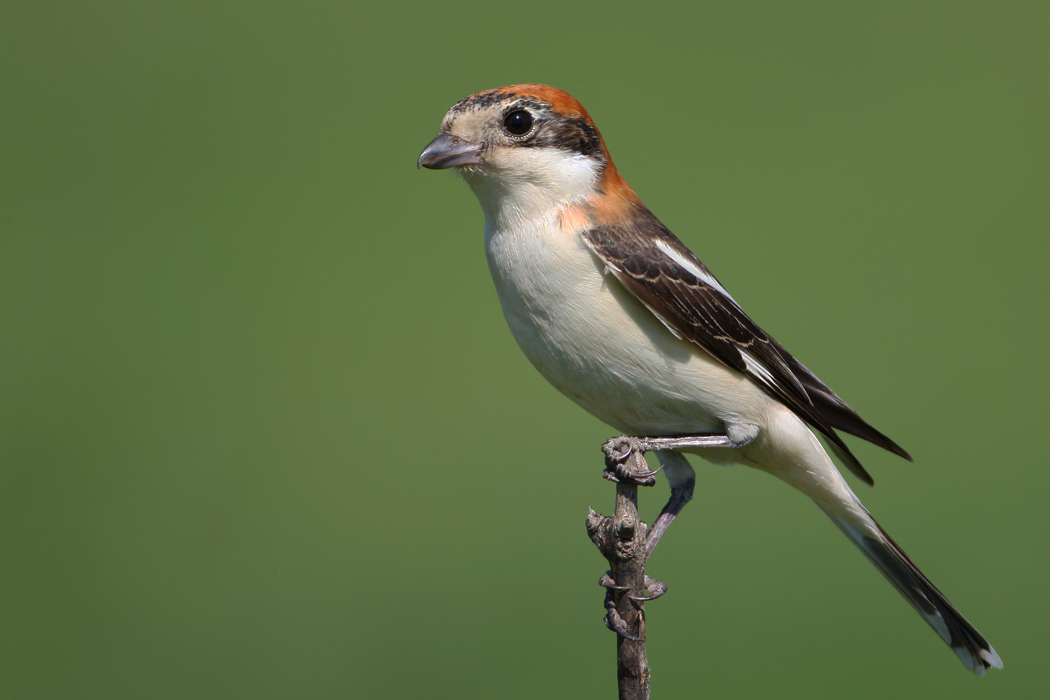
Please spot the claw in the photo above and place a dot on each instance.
(614, 622)
(654, 588)
(607, 581)
(625, 475)
(612, 618)
(617, 449)
(625, 462)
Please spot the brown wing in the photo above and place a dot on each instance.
(837, 412)
(665, 275)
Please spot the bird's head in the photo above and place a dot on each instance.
(526, 149)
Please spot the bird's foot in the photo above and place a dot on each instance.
(625, 461)
(607, 581)
(612, 617)
(653, 589)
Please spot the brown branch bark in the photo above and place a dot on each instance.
(622, 541)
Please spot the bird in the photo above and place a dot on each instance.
(627, 322)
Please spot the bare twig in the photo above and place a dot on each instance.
(626, 542)
(622, 541)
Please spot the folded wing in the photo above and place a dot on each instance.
(665, 276)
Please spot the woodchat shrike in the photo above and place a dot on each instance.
(627, 322)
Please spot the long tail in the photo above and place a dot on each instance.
(972, 648)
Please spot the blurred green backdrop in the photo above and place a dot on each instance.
(264, 433)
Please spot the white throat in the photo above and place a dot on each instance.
(530, 183)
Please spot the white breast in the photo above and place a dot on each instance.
(597, 344)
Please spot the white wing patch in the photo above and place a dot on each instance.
(758, 369)
(692, 267)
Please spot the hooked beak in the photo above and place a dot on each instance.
(447, 151)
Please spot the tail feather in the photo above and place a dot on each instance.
(971, 647)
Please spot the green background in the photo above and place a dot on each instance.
(264, 432)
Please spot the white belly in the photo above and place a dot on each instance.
(597, 344)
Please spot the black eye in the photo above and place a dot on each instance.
(518, 123)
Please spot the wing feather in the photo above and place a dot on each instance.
(683, 294)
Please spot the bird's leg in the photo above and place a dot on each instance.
(619, 465)
(624, 540)
(625, 461)
(681, 494)
(654, 444)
